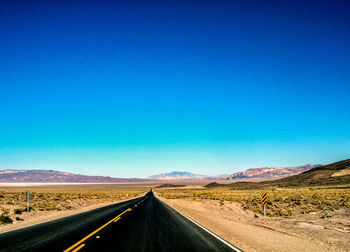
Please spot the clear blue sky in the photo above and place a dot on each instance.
(134, 88)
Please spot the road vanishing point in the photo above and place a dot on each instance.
(141, 224)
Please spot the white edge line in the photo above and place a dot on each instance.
(199, 225)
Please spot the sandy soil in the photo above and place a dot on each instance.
(251, 233)
(342, 173)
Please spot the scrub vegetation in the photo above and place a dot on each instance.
(58, 198)
(281, 202)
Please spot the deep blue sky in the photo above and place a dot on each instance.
(134, 88)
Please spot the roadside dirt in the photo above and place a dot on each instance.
(310, 232)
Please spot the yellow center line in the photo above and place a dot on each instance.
(117, 219)
(82, 245)
(94, 232)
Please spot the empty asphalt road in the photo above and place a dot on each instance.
(142, 224)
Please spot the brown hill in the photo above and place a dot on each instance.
(322, 175)
(50, 176)
(332, 174)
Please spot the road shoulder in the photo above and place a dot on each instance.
(237, 231)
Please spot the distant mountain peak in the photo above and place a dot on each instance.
(176, 175)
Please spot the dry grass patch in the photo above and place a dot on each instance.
(281, 202)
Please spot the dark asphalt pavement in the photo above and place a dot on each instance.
(142, 224)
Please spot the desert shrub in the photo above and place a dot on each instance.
(18, 211)
(4, 219)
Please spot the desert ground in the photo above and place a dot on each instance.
(309, 219)
(51, 201)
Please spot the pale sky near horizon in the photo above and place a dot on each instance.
(211, 87)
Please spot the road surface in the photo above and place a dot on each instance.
(142, 224)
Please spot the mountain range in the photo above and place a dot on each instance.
(51, 176)
(269, 172)
(332, 174)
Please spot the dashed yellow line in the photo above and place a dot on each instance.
(94, 232)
